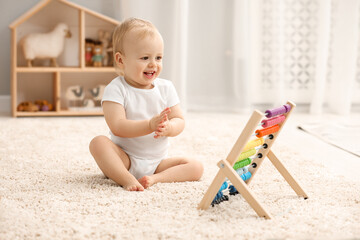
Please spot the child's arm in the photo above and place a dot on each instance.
(173, 125)
(115, 118)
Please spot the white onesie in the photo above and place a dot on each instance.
(145, 152)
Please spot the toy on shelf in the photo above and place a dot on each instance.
(97, 54)
(27, 107)
(97, 93)
(75, 96)
(80, 100)
(105, 39)
(245, 158)
(88, 104)
(45, 45)
(109, 52)
(89, 45)
(44, 105)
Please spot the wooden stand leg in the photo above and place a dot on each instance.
(212, 191)
(285, 173)
(243, 189)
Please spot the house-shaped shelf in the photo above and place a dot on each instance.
(43, 81)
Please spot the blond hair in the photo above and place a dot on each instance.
(144, 27)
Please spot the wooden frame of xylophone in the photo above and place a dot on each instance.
(227, 171)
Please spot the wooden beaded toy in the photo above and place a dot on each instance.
(246, 157)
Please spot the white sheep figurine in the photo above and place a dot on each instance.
(45, 45)
(98, 92)
(74, 93)
(75, 96)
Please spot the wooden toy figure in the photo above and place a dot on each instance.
(89, 45)
(109, 51)
(105, 39)
(97, 54)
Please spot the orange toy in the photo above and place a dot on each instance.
(44, 105)
(27, 107)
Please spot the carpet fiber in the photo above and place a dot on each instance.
(51, 188)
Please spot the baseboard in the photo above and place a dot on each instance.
(5, 103)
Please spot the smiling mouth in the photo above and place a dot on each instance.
(149, 75)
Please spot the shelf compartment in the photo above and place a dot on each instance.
(36, 86)
(54, 13)
(65, 69)
(92, 27)
(78, 86)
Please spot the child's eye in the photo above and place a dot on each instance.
(158, 58)
(145, 58)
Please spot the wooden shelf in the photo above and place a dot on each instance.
(51, 83)
(64, 69)
(58, 113)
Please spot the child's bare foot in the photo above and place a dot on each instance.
(146, 181)
(136, 186)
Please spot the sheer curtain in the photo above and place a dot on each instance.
(338, 56)
(232, 55)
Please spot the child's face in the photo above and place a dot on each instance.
(142, 59)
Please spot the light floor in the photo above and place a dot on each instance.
(341, 163)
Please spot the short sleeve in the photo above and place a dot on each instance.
(114, 92)
(172, 96)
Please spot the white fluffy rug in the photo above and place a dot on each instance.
(51, 188)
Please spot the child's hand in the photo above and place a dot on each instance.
(158, 119)
(163, 128)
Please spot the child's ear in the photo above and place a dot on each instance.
(119, 59)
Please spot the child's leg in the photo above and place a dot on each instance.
(114, 163)
(174, 170)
